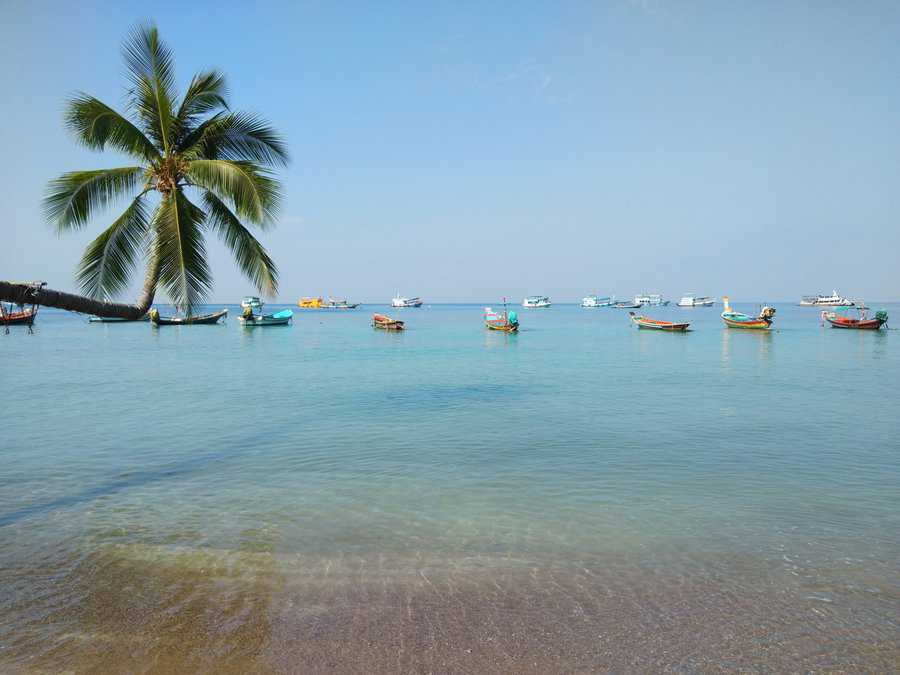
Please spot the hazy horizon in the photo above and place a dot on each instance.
(463, 152)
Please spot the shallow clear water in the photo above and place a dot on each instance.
(580, 496)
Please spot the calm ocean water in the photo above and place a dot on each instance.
(581, 496)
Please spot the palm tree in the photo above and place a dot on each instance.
(188, 147)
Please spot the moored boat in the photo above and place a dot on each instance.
(387, 323)
(593, 301)
(253, 302)
(340, 304)
(400, 301)
(734, 319)
(282, 318)
(536, 302)
(626, 304)
(696, 301)
(862, 322)
(653, 324)
(833, 300)
(115, 319)
(9, 316)
(198, 319)
(652, 300)
(503, 321)
(319, 303)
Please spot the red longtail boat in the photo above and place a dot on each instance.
(862, 323)
(23, 316)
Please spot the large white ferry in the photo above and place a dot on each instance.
(833, 300)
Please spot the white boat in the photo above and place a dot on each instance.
(400, 301)
(252, 302)
(536, 301)
(652, 299)
(696, 301)
(597, 301)
(833, 300)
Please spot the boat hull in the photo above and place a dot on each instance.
(113, 319)
(652, 324)
(21, 318)
(855, 324)
(199, 320)
(747, 324)
(282, 318)
(383, 322)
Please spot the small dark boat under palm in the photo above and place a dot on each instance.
(114, 319)
(197, 319)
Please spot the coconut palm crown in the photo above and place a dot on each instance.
(199, 168)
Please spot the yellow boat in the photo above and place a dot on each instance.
(311, 303)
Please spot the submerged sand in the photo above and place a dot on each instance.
(161, 610)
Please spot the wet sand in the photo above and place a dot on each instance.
(161, 610)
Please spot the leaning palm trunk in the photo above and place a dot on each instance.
(24, 293)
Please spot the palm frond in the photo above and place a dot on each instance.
(251, 189)
(97, 125)
(74, 197)
(151, 68)
(109, 260)
(206, 93)
(249, 254)
(183, 270)
(241, 137)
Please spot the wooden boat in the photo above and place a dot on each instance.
(114, 319)
(20, 317)
(386, 323)
(862, 323)
(647, 322)
(507, 322)
(282, 318)
(198, 319)
(734, 319)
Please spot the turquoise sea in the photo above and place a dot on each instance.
(582, 496)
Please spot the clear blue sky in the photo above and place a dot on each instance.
(466, 151)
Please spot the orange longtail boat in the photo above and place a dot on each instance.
(653, 324)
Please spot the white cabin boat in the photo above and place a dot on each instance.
(536, 301)
(651, 299)
(597, 301)
(400, 301)
(696, 301)
(833, 300)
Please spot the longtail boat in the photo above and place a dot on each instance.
(653, 324)
(507, 322)
(199, 319)
(734, 319)
(11, 317)
(862, 323)
(282, 318)
(386, 323)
